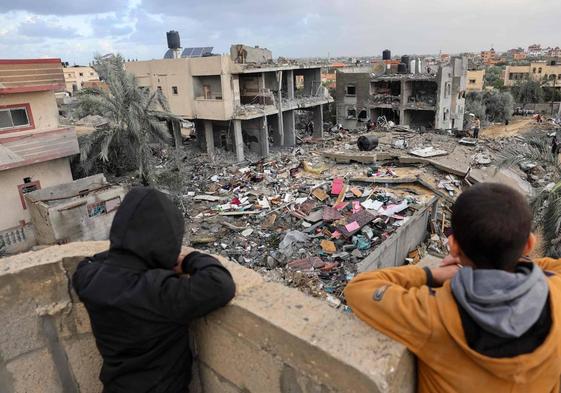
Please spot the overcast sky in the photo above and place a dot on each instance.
(74, 30)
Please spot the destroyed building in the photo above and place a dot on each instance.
(408, 94)
(76, 211)
(237, 101)
(34, 148)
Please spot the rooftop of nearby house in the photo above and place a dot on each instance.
(29, 75)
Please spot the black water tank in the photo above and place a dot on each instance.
(552, 62)
(407, 61)
(367, 142)
(402, 68)
(387, 55)
(173, 39)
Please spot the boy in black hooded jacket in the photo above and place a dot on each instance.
(140, 306)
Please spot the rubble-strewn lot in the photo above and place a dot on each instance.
(306, 216)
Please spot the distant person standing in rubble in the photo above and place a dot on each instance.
(476, 127)
(489, 318)
(143, 293)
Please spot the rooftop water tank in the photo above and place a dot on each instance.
(173, 39)
(387, 55)
(407, 61)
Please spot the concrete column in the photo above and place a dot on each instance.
(261, 81)
(290, 84)
(289, 128)
(264, 137)
(238, 140)
(236, 90)
(209, 137)
(308, 82)
(200, 133)
(279, 139)
(318, 121)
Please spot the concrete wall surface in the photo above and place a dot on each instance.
(49, 173)
(393, 251)
(269, 339)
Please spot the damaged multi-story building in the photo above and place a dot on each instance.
(409, 94)
(239, 101)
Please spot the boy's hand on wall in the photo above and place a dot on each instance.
(444, 273)
(182, 254)
(450, 260)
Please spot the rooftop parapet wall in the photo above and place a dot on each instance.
(269, 339)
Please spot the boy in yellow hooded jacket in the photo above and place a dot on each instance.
(486, 320)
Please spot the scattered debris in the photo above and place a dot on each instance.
(428, 152)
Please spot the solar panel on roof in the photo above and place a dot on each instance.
(168, 54)
(197, 52)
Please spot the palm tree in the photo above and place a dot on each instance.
(546, 200)
(136, 118)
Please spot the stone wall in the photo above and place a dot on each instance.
(269, 339)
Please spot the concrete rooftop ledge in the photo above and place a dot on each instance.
(269, 339)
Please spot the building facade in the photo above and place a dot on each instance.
(475, 80)
(235, 104)
(489, 57)
(34, 148)
(548, 73)
(431, 99)
(75, 78)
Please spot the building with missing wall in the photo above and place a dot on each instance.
(237, 101)
(417, 97)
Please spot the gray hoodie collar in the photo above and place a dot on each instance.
(502, 303)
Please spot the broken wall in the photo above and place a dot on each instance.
(277, 338)
(240, 53)
(359, 101)
(78, 210)
(393, 251)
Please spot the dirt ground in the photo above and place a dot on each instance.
(517, 126)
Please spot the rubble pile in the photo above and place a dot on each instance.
(297, 219)
(307, 217)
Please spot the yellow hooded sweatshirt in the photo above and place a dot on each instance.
(398, 303)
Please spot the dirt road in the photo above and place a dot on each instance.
(516, 126)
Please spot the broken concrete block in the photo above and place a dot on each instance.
(428, 152)
(306, 263)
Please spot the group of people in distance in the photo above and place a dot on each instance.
(485, 320)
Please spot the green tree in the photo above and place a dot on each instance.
(490, 106)
(551, 94)
(545, 201)
(499, 106)
(493, 77)
(528, 92)
(475, 105)
(136, 121)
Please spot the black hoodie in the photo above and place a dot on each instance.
(139, 308)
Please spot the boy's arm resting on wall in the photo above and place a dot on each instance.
(205, 286)
(549, 264)
(395, 301)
